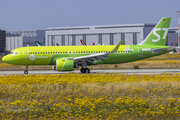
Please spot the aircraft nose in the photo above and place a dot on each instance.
(5, 59)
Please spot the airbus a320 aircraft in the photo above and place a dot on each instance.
(66, 58)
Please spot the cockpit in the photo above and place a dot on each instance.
(13, 53)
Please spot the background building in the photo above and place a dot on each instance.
(105, 34)
(131, 34)
(2, 40)
(172, 39)
(16, 39)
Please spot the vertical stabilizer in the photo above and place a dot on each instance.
(159, 34)
(38, 43)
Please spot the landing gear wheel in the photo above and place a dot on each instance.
(83, 70)
(25, 72)
(87, 70)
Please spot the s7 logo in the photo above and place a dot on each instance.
(158, 36)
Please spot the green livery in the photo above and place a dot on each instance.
(66, 58)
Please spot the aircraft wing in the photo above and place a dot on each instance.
(95, 57)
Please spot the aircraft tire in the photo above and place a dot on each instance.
(25, 72)
(87, 70)
(83, 70)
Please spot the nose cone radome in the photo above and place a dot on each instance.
(6, 59)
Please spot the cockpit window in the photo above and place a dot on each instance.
(13, 53)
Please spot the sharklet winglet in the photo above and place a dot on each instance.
(117, 47)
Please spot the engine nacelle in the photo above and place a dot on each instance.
(64, 65)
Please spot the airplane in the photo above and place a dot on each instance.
(38, 43)
(83, 43)
(66, 58)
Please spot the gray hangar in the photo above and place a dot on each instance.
(131, 34)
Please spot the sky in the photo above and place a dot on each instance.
(17, 15)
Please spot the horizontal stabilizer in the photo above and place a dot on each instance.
(160, 50)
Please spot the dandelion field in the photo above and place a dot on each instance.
(90, 96)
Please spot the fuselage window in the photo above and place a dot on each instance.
(35, 52)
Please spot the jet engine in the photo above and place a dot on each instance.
(64, 65)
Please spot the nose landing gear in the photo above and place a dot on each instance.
(26, 70)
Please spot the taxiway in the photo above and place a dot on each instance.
(125, 71)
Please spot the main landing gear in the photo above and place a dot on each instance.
(26, 70)
(84, 68)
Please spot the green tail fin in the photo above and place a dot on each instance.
(159, 34)
(38, 43)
